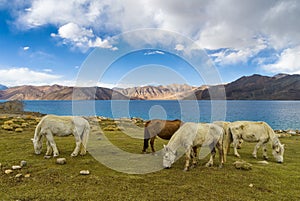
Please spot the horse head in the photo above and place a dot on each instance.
(37, 144)
(278, 150)
(169, 157)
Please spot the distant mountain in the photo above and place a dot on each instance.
(258, 87)
(169, 92)
(254, 87)
(3, 87)
(58, 92)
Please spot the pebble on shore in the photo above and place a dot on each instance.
(84, 172)
(61, 161)
(16, 167)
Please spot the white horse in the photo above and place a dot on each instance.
(191, 136)
(227, 140)
(61, 126)
(259, 132)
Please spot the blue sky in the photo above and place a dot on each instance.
(49, 42)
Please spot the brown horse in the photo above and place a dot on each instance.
(161, 128)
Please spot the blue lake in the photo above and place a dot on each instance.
(279, 114)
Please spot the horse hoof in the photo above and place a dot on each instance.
(266, 157)
(185, 169)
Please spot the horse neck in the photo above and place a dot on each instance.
(273, 138)
(174, 143)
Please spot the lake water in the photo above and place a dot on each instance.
(279, 114)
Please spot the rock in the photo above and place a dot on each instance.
(250, 185)
(19, 130)
(7, 127)
(263, 162)
(291, 132)
(84, 172)
(18, 175)
(61, 161)
(243, 165)
(16, 167)
(27, 175)
(8, 171)
(23, 163)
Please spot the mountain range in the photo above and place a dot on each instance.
(254, 87)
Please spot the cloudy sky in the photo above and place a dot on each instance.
(47, 41)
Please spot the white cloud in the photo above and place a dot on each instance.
(25, 76)
(153, 52)
(214, 24)
(26, 48)
(233, 56)
(288, 62)
(80, 37)
(179, 47)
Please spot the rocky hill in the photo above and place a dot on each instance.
(258, 87)
(254, 87)
(58, 92)
(169, 92)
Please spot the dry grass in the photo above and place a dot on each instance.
(49, 181)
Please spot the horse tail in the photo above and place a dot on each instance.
(228, 139)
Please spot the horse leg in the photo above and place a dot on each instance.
(211, 159)
(194, 156)
(52, 143)
(265, 155)
(187, 158)
(254, 154)
(235, 144)
(146, 145)
(49, 149)
(78, 143)
(152, 144)
(85, 137)
(221, 155)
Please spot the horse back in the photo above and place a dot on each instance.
(162, 128)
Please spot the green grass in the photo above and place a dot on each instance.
(49, 181)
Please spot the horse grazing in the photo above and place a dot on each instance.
(161, 128)
(61, 126)
(227, 140)
(259, 132)
(191, 136)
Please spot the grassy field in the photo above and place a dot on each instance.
(50, 181)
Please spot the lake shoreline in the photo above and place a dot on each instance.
(36, 115)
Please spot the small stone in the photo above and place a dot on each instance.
(263, 162)
(47, 157)
(243, 165)
(8, 171)
(84, 172)
(19, 130)
(27, 175)
(16, 167)
(250, 185)
(61, 161)
(18, 175)
(23, 163)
